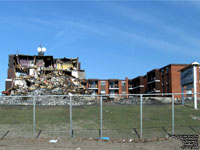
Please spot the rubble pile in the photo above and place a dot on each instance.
(145, 100)
(54, 83)
(50, 100)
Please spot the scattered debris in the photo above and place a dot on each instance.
(131, 140)
(53, 141)
(90, 139)
(38, 134)
(105, 138)
(195, 117)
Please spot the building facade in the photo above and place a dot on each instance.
(190, 82)
(163, 80)
(170, 78)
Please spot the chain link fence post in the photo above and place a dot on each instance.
(101, 117)
(34, 116)
(70, 113)
(173, 114)
(141, 116)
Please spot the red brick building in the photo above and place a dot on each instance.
(170, 78)
(163, 80)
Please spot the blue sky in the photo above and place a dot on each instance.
(113, 39)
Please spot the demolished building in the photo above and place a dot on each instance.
(42, 75)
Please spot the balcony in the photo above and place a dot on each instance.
(113, 87)
(140, 86)
(130, 87)
(152, 81)
(154, 91)
(93, 87)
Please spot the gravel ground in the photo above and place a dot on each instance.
(80, 144)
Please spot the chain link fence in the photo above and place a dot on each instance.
(96, 116)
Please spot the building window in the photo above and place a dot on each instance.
(123, 83)
(162, 72)
(103, 83)
(112, 93)
(113, 84)
(92, 84)
(167, 70)
(123, 87)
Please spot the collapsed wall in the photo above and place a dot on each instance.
(44, 75)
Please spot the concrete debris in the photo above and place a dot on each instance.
(195, 117)
(53, 141)
(90, 139)
(44, 75)
(146, 100)
(54, 83)
(130, 140)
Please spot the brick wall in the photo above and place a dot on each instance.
(175, 81)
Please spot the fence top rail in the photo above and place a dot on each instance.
(71, 95)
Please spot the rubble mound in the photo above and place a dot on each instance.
(54, 83)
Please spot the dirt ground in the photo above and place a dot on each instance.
(78, 144)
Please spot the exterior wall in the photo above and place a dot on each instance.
(107, 90)
(8, 84)
(79, 66)
(130, 86)
(153, 81)
(64, 66)
(11, 73)
(116, 87)
(187, 82)
(140, 83)
(99, 87)
(145, 84)
(170, 79)
(175, 79)
(126, 85)
(93, 84)
(120, 87)
(11, 61)
(164, 80)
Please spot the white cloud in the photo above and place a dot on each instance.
(38, 20)
(185, 44)
(59, 34)
(84, 26)
(154, 40)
